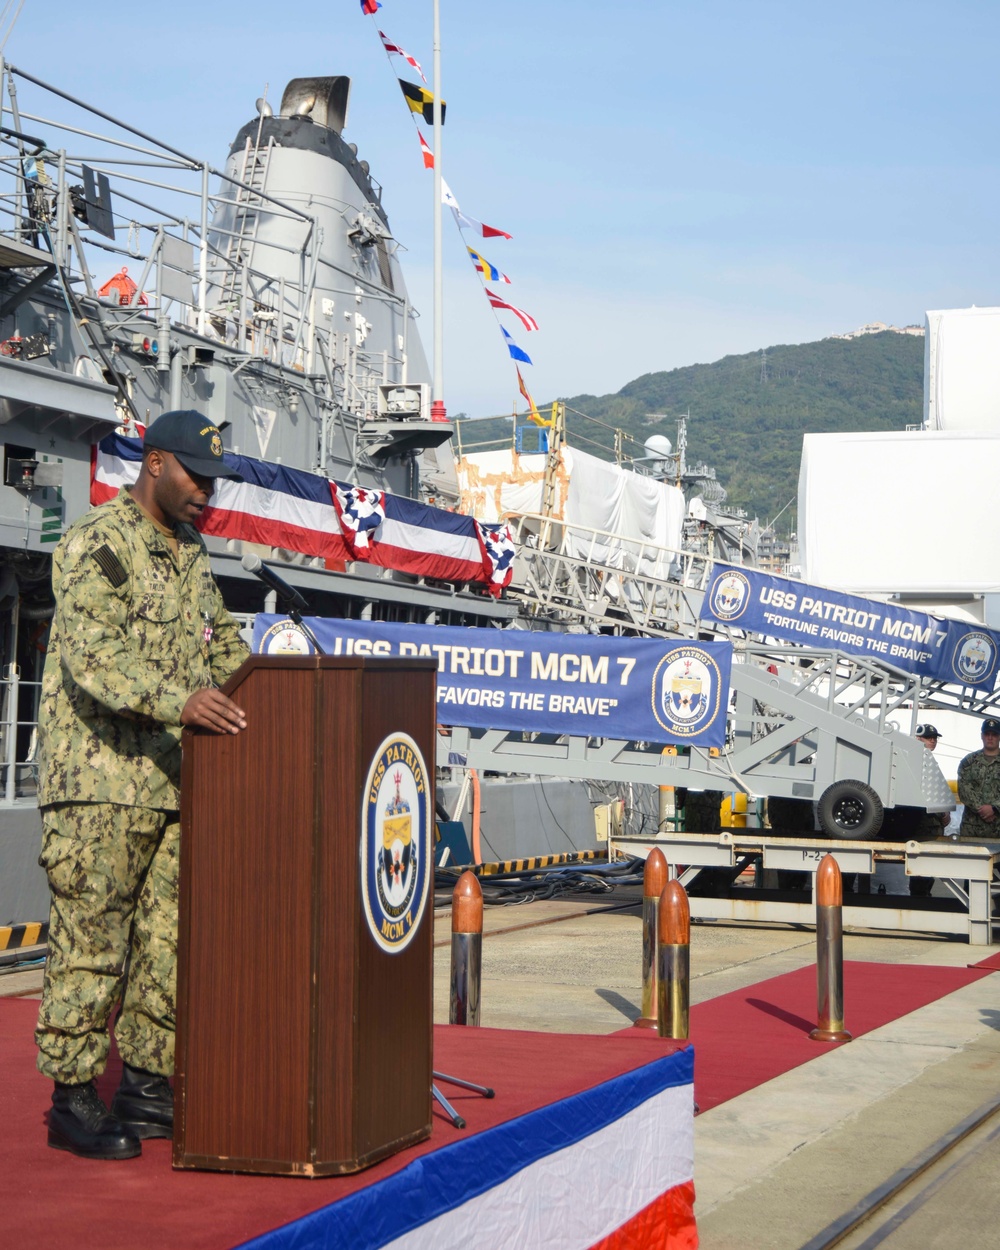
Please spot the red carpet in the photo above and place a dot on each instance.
(991, 963)
(50, 1200)
(751, 1036)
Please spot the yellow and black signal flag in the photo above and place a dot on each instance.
(421, 101)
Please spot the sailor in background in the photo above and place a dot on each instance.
(140, 643)
(979, 786)
(930, 825)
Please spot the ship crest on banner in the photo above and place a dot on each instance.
(975, 655)
(730, 596)
(687, 691)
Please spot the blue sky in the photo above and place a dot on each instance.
(682, 180)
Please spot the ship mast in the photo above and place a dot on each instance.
(437, 385)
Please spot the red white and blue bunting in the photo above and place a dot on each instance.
(277, 506)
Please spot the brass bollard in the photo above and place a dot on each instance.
(654, 878)
(466, 949)
(829, 954)
(674, 962)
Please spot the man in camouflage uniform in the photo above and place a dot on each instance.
(979, 787)
(926, 826)
(140, 643)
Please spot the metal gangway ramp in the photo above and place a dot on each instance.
(805, 723)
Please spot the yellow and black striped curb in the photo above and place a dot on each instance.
(12, 937)
(538, 861)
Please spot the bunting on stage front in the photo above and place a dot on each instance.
(490, 272)
(394, 49)
(516, 353)
(525, 319)
(421, 101)
(465, 221)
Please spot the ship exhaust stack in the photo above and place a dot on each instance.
(322, 100)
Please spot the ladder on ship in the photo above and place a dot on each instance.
(247, 205)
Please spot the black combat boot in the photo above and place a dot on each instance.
(80, 1123)
(144, 1103)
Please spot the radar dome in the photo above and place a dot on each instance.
(658, 447)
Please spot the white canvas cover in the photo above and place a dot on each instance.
(591, 493)
(962, 369)
(910, 512)
(492, 484)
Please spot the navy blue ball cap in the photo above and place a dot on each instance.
(193, 439)
(991, 726)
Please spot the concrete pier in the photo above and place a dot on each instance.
(776, 1165)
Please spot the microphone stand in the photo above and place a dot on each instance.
(295, 615)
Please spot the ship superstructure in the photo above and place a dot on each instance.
(135, 279)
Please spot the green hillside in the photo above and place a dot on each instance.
(747, 421)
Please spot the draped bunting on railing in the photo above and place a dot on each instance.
(277, 506)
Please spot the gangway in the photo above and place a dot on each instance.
(575, 576)
(572, 575)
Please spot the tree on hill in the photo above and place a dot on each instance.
(748, 413)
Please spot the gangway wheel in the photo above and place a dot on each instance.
(850, 809)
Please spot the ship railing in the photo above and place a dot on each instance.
(174, 217)
(847, 685)
(577, 573)
(18, 735)
(138, 163)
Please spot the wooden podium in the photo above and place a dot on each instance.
(304, 995)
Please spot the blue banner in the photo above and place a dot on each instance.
(927, 646)
(639, 689)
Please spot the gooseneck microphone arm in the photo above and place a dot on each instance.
(293, 598)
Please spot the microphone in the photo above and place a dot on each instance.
(255, 565)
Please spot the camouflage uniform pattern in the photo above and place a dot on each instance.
(122, 660)
(111, 869)
(979, 783)
(136, 632)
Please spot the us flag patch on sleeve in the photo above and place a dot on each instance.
(110, 566)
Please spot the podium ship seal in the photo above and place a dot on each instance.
(395, 843)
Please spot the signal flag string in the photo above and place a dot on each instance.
(420, 101)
